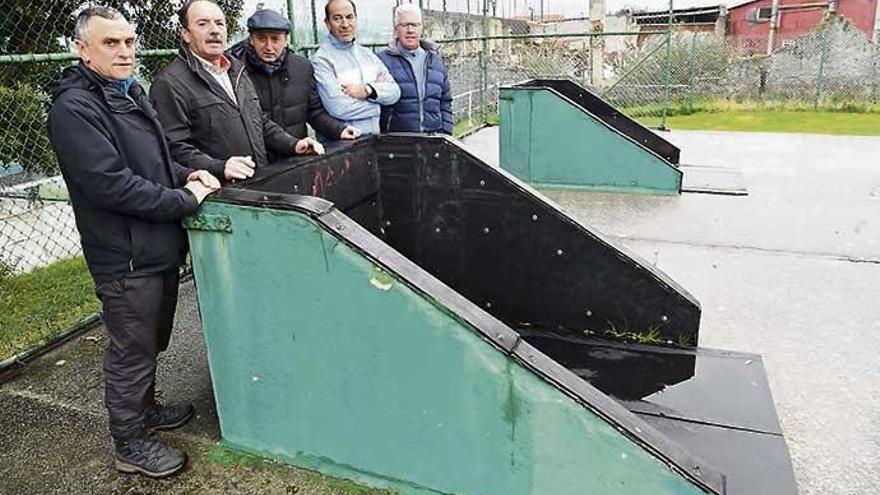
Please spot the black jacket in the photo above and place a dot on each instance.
(202, 123)
(290, 96)
(123, 184)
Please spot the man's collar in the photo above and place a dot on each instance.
(407, 51)
(122, 85)
(340, 44)
(224, 64)
(109, 88)
(424, 43)
(93, 76)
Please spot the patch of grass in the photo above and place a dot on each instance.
(223, 460)
(791, 121)
(464, 126)
(44, 302)
(225, 457)
(650, 336)
(788, 115)
(833, 116)
(348, 487)
(794, 105)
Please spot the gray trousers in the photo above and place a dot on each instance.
(138, 314)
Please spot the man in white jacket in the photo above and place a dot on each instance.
(352, 82)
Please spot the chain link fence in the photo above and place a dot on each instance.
(44, 286)
(834, 67)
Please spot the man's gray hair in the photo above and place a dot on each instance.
(406, 7)
(82, 19)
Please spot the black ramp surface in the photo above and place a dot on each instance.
(706, 385)
(627, 372)
(755, 463)
(492, 240)
(554, 288)
(715, 403)
(512, 253)
(612, 117)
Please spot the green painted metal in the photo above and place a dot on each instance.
(33, 58)
(323, 358)
(548, 141)
(314, 23)
(216, 223)
(291, 15)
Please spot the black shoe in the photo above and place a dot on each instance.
(161, 417)
(148, 457)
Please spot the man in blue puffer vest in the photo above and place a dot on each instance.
(425, 103)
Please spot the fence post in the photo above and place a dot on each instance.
(484, 53)
(314, 23)
(589, 76)
(597, 43)
(825, 42)
(774, 27)
(691, 74)
(667, 69)
(291, 16)
(875, 77)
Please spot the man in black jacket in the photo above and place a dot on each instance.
(209, 107)
(285, 82)
(128, 196)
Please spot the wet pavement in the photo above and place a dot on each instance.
(790, 271)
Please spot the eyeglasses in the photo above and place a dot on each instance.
(410, 25)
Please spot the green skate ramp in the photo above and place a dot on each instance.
(403, 336)
(556, 133)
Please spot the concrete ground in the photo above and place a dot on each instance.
(53, 428)
(790, 271)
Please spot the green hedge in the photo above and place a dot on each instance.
(23, 137)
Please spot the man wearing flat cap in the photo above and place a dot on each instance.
(284, 81)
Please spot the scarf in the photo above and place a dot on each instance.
(268, 68)
(122, 85)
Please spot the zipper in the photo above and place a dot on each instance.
(131, 245)
(241, 112)
(418, 96)
(237, 81)
(423, 96)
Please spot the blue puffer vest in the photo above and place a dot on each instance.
(407, 115)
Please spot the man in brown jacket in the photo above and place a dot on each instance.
(208, 106)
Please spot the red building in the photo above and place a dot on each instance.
(796, 17)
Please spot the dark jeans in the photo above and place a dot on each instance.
(138, 314)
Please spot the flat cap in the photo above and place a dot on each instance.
(268, 20)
